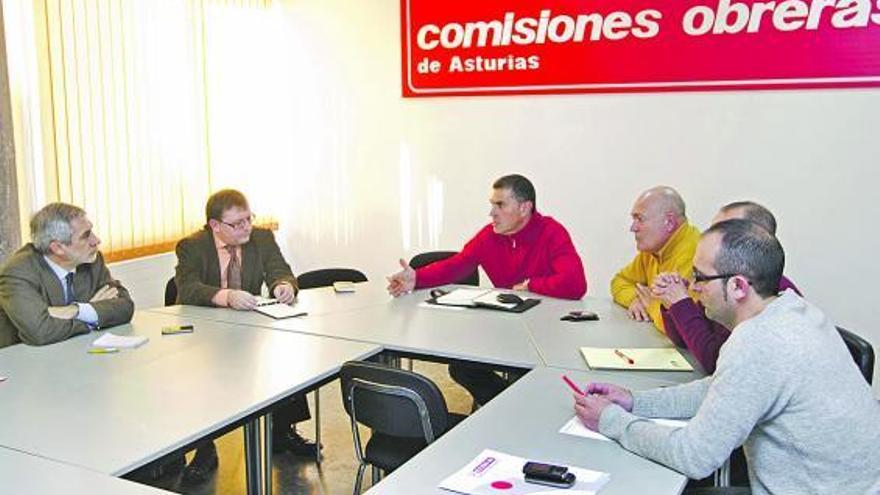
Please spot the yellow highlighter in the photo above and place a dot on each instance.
(103, 350)
(177, 329)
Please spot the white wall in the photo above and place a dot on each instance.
(369, 176)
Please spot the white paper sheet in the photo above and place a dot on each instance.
(493, 472)
(576, 428)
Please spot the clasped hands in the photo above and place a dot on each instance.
(589, 407)
(668, 288)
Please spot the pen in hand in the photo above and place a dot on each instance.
(572, 385)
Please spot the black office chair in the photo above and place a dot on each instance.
(171, 292)
(861, 351)
(423, 259)
(327, 276)
(404, 410)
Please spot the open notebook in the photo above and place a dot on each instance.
(482, 298)
(629, 358)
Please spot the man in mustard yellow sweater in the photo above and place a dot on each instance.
(666, 243)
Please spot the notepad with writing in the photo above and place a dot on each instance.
(629, 358)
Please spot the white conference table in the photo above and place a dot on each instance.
(406, 325)
(113, 413)
(524, 420)
(25, 473)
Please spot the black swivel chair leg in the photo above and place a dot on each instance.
(359, 480)
(377, 475)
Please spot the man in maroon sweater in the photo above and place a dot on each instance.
(685, 320)
(521, 250)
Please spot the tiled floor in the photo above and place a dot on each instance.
(294, 475)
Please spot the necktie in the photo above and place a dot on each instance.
(233, 270)
(68, 288)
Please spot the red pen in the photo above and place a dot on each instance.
(624, 356)
(572, 385)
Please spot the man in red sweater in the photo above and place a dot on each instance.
(520, 250)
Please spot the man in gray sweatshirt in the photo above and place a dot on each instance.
(785, 386)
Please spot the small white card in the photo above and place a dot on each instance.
(120, 341)
(494, 473)
(344, 286)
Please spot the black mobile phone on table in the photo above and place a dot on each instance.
(548, 474)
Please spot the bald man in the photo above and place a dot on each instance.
(666, 243)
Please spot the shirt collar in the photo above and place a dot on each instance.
(60, 272)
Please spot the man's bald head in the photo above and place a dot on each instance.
(665, 200)
(657, 214)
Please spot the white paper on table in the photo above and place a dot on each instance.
(576, 428)
(279, 310)
(493, 472)
(491, 299)
(424, 304)
(120, 341)
(461, 297)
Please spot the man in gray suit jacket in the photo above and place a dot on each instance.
(58, 286)
(225, 265)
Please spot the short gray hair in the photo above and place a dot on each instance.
(754, 212)
(748, 249)
(52, 223)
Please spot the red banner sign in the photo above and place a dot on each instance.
(470, 47)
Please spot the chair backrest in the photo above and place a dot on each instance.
(393, 401)
(423, 259)
(862, 352)
(171, 292)
(327, 276)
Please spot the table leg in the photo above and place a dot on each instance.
(252, 456)
(318, 455)
(267, 454)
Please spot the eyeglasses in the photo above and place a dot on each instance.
(698, 278)
(241, 224)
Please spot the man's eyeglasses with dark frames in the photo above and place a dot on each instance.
(698, 278)
(241, 223)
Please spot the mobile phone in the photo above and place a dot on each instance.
(580, 316)
(548, 474)
(175, 329)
